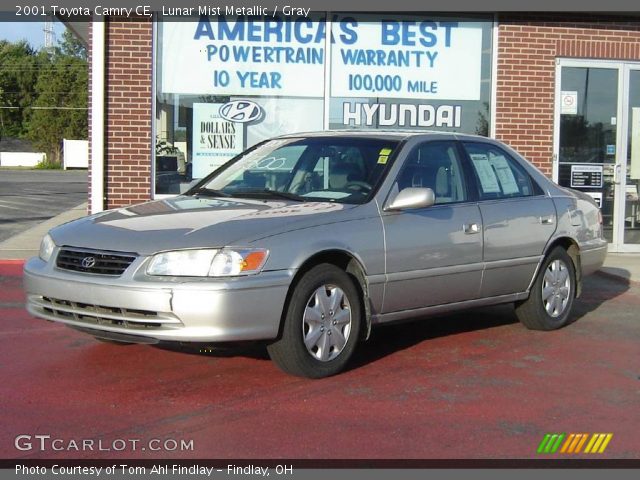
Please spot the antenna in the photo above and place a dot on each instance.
(49, 34)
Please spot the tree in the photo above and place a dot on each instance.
(71, 46)
(60, 108)
(18, 74)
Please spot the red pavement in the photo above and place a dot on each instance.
(474, 385)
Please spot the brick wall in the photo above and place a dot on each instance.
(527, 51)
(128, 100)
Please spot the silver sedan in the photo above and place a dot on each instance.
(307, 241)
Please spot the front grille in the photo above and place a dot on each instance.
(92, 315)
(94, 261)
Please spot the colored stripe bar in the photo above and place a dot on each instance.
(576, 439)
(605, 442)
(594, 437)
(582, 442)
(567, 443)
(599, 440)
(556, 445)
(552, 440)
(573, 442)
(543, 443)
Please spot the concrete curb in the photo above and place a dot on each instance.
(26, 244)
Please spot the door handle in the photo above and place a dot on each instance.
(616, 174)
(471, 228)
(547, 220)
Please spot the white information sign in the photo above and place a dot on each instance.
(587, 176)
(597, 196)
(268, 56)
(486, 174)
(404, 57)
(505, 174)
(568, 103)
(215, 140)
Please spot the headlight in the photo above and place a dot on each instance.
(208, 263)
(46, 248)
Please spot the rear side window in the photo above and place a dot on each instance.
(435, 165)
(497, 174)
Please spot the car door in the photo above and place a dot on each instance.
(433, 254)
(518, 219)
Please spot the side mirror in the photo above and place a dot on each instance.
(412, 197)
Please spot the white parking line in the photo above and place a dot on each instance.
(9, 207)
(21, 201)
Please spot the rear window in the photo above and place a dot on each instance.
(497, 174)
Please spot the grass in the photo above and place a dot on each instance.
(46, 165)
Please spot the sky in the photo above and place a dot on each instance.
(33, 32)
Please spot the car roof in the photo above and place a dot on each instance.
(381, 134)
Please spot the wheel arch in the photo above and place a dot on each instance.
(344, 260)
(573, 250)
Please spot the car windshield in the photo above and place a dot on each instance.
(346, 170)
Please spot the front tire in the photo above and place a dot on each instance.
(551, 298)
(321, 326)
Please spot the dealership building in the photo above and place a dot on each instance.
(173, 98)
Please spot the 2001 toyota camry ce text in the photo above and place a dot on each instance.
(307, 241)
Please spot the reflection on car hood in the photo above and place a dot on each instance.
(190, 222)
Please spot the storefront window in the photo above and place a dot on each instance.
(224, 84)
(411, 72)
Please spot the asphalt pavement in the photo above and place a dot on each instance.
(471, 385)
(29, 197)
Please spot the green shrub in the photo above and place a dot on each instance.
(47, 165)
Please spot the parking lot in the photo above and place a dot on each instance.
(28, 197)
(472, 385)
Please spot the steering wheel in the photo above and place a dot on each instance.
(358, 185)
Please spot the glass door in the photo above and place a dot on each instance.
(630, 169)
(588, 130)
(597, 143)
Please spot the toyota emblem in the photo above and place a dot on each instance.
(88, 262)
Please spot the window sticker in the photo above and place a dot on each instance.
(505, 174)
(383, 156)
(486, 174)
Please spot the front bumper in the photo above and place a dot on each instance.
(163, 309)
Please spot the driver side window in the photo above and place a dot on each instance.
(435, 165)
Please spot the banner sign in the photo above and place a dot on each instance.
(401, 57)
(371, 56)
(215, 140)
(268, 56)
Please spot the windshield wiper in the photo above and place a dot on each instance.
(273, 193)
(209, 192)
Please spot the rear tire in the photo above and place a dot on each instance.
(321, 326)
(551, 298)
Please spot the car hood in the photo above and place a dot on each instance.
(191, 222)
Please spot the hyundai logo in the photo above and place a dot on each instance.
(88, 262)
(241, 111)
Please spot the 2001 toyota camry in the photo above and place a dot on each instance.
(307, 241)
